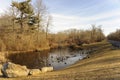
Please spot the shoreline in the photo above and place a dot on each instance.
(84, 46)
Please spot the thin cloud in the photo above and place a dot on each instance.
(62, 22)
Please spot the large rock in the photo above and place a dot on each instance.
(46, 69)
(14, 70)
(34, 72)
(0, 69)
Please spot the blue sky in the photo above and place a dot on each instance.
(80, 14)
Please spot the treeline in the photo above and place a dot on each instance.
(76, 37)
(24, 27)
(114, 35)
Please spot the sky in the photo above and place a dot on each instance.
(80, 14)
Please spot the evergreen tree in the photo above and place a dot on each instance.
(26, 12)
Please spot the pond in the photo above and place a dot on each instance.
(58, 58)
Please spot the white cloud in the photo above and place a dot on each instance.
(114, 1)
(63, 22)
(83, 19)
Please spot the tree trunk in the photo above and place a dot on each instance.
(47, 30)
(21, 22)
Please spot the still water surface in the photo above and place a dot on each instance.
(58, 58)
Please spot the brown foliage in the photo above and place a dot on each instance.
(79, 37)
(114, 35)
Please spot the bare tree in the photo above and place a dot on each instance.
(13, 12)
(40, 12)
(49, 19)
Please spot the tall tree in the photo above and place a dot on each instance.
(49, 18)
(13, 12)
(25, 9)
(40, 12)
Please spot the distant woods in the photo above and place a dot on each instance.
(76, 37)
(114, 35)
(25, 27)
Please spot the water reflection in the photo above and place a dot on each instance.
(61, 58)
(58, 58)
(33, 60)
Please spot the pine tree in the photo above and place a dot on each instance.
(26, 12)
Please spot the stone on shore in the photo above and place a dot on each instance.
(0, 69)
(14, 70)
(46, 69)
(34, 72)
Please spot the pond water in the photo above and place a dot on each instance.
(58, 58)
(115, 43)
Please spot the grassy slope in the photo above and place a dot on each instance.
(103, 64)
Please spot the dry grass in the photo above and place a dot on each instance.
(104, 65)
(23, 42)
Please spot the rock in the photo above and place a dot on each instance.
(34, 72)
(14, 70)
(0, 69)
(46, 69)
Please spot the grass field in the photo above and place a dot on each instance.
(103, 64)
